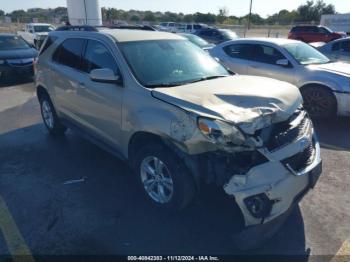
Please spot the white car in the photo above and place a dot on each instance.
(35, 33)
(325, 85)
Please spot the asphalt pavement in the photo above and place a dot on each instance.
(67, 196)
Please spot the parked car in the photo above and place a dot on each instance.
(180, 118)
(337, 50)
(323, 84)
(311, 33)
(192, 28)
(35, 33)
(16, 57)
(216, 36)
(198, 41)
(172, 27)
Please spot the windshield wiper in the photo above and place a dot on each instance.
(207, 78)
(163, 85)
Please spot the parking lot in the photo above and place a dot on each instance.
(67, 196)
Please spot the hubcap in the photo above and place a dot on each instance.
(156, 179)
(316, 103)
(47, 114)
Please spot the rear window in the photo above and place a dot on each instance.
(69, 53)
(48, 42)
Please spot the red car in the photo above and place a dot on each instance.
(310, 34)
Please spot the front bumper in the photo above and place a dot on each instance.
(277, 182)
(9, 72)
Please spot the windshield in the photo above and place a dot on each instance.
(169, 62)
(12, 42)
(43, 28)
(305, 54)
(196, 40)
(229, 34)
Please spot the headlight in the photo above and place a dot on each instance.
(2, 62)
(220, 132)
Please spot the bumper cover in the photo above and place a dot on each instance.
(282, 185)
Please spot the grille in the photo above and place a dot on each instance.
(284, 133)
(301, 160)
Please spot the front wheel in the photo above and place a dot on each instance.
(163, 177)
(319, 102)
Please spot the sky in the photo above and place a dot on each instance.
(235, 7)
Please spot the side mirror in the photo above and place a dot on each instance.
(282, 62)
(104, 75)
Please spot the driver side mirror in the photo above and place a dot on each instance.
(283, 62)
(105, 75)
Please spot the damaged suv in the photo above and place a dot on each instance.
(180, 118)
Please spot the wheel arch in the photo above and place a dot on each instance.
(143, 137)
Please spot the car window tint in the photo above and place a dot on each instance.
(336, 47)
(345, 46)
(266, 54)
(206, 33)
(241, 51)
(48, 42)
(189, 27)
(97, 56)
(69, 53)
(196, 27)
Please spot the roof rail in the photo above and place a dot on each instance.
(77, 28)
(133, 27)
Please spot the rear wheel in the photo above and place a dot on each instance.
(164, 179)
(319, 101)
(50, 119)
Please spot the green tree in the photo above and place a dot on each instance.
(312, 11)
(135, 18)
(223, 13)
(2, 13)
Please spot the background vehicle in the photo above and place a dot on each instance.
(16, 57)
(338, 50)
(323, 84)
(35, 33)
(311, 33)
(172, 27)
(192, 28)
(180, 118)
(216, 36)
(198, 41)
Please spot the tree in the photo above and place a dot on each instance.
(135, 18)
(149, 16)
(223, 13)
(312, 11)
(2, 13)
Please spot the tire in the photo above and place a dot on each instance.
(319, 101)
(172, 177)
(50, 119)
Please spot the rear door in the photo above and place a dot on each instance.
(101, 103)
(66, 74)
(237, 57)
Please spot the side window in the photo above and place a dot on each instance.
(241, 51)
(189, 27)
(267, 54)
(336, 47)
(69, 53)
(206, 33)
(345, 46)
(322, 30)
(48, 42)
(97, 56)
(197, 27)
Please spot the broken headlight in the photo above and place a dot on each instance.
(220, 132)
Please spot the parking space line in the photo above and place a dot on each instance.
(13, 238)
(343, 254)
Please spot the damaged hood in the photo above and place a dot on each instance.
(338, 68)
(248, 101)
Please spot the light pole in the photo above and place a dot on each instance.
(250, 13)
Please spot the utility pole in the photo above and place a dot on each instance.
(250, 13)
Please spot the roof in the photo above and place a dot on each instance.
(125, 35)
(276, 41)
(33, 24)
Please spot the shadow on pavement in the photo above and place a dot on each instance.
(106, 212)
(15, 81)
(331, 133)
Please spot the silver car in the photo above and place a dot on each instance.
(325, 85)
(338, 50)
(179, 119)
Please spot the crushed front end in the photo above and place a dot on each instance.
(268, 180)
